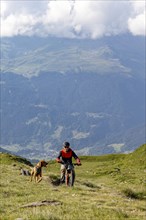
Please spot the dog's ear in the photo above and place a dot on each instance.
(44, 163)
(41, 163)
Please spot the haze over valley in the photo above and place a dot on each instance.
(68, 78)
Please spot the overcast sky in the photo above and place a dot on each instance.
(72, 18)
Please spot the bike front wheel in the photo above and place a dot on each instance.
(70, 178)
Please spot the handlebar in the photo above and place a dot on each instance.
(75, 164)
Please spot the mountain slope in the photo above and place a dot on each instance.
(104, 189)
(31, 56)
(137, 158)
(10, 159)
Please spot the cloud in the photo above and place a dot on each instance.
(72, 18)
(136, 22)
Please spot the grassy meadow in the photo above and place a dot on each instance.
(107, 187)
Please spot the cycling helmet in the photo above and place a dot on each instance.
(66, 144)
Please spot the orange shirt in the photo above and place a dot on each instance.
(66, 156)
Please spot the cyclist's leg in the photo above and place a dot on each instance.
(63, 169)
(73, 177)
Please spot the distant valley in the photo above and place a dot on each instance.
(91, 93)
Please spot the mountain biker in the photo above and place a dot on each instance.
(65, 157)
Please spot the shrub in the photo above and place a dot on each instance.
(134, 195)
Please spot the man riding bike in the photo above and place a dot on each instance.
(65, 157)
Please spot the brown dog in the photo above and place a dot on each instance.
(36, 172)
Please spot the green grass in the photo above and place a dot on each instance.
(11, 159)
(106, 188)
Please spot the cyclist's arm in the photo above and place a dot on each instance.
(76, 157)
(59, 156)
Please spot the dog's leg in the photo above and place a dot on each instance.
(36, 178)
(39, 180)
(32, 173)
